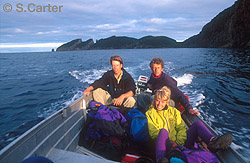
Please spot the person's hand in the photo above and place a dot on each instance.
(86, 92)
(192, 111)
(118, 101)
(174, 144)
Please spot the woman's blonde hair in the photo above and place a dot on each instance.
(164, 93)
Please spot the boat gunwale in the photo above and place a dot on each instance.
(10, 148)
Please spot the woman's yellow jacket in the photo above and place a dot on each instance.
(169, 119)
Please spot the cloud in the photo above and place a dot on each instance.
(126, 24)
(48, 32)
(18, 30)
(151, 30)
(155, 21)
(107, 26)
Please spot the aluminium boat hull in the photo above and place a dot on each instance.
(57, 136)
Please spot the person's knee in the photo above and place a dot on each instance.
(129, 102)
(102, 96)
(198, 123)
(98, 91)
(163, 132)
(163, 139)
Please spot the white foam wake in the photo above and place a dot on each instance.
(74, 98)
(88, 76)
(183, 80)
(47, 111)
(199, 99)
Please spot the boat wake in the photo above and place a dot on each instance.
(60, 103)
(184, 80)
(88, 76)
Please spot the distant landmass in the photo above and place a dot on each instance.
(229, 29)
(119, 43)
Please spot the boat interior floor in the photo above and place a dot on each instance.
(81, 155)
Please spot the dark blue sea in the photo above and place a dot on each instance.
(35, 85)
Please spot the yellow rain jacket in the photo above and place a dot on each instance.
(169, 119)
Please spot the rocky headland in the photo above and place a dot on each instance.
(229, 29)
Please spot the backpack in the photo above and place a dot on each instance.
(197, 155)
(105, 121)
(104, 132)
(137, 126)
(110, 147)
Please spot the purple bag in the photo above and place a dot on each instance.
(193, 155)
(105, 121)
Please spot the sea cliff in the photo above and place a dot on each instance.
(229, 29)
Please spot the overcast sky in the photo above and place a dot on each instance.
(32, 30)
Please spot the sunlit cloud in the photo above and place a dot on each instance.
(48, 32)
(129, 23)
(151, 30)
(155, 20)
(106, 26)
(176, 20)
(18, 30)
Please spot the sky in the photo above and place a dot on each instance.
(40, 25)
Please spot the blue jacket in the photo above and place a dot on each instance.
(176, 94)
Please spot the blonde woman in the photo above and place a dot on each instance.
(168, 129)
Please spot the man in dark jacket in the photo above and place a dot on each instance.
(157, 80)
(115, 87)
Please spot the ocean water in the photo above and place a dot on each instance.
(35, 85)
